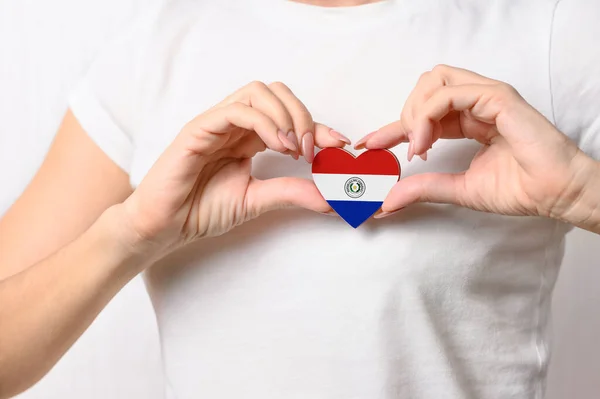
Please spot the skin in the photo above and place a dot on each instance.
(201, 187)
(526, 167)
(336, 3)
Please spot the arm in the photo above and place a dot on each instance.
(54, 281)
(62, 253)
(49, 300)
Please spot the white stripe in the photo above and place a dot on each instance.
(331, 186)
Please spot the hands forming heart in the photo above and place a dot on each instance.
(201, 186)
(525, 167)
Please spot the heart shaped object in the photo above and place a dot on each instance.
(355, 187)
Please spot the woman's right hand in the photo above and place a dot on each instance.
(201, 185)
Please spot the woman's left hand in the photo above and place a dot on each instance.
(525, 166)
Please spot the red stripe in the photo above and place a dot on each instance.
(371, 162)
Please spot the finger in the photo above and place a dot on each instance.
(327, 137)
(386, 137)
(308, 133)
(211, 130)
(284, 192)
(303, 126)
(480, 102)
(247, 147)
(490, 110)
(428, 83)
(446, 75)
(390, 136)
(360, 144)
(259, 96)
(440, 188)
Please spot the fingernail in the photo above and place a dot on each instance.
(329, 213)
(411, 150)
(424, 156)
(286, 141)
(292, 137)
(361, 143)
(308, 147)
(386, 214)
(338, 136)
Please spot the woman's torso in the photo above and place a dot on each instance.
(436, 302)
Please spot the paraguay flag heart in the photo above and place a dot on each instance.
(355, 187)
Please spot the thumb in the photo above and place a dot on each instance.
(284, 192)
(442, 188)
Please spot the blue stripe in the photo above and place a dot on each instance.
(355, 212)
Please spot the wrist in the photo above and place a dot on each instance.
(584, 209)
(130, 251)
(593, 199)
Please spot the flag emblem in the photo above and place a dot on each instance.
(355, 187)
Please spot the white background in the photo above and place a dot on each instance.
(45, 46)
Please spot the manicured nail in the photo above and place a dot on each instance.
(361, 143)
(411, 150)
(386, 214)
(424, 156)
(286, 141)
(292, 137)
(338, 136)
(308, 147)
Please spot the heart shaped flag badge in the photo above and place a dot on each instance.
(355, 187)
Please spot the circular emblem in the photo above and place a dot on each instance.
(354, 187)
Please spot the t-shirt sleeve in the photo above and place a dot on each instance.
(575, 72)
(106, 99)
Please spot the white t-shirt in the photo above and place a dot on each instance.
(436, 302)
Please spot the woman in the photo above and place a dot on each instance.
(152, 167)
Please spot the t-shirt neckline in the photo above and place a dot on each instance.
(309, 18)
